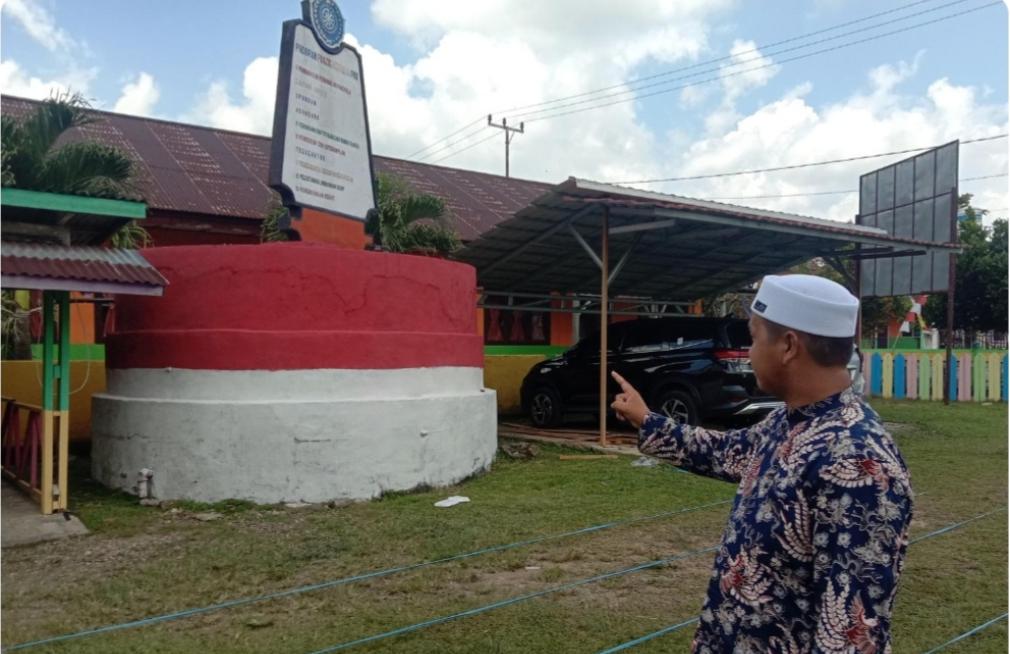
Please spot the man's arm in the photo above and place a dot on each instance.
(720, 454)
(723, 455)
(860, 534)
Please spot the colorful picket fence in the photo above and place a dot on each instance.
(975, 376)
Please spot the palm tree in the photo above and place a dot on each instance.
(32, 160)
(410, 222)
(270, 228)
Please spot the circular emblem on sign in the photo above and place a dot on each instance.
(328, 22)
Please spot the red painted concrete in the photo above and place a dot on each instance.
(321, 227)
(289, 306)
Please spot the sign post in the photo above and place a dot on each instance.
(321, 153)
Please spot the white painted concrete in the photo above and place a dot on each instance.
(292, 436)
(299, 385)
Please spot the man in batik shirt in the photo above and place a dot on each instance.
(816, 540)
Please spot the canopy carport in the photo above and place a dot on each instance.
(669, 250)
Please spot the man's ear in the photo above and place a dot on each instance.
(790, 346)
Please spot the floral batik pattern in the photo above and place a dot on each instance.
(810, 559)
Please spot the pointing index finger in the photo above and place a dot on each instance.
(625, 386)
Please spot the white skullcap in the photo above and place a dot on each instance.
(810, 304)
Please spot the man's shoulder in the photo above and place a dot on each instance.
(853, 438)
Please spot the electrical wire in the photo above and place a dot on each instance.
(723, 75)
(809, 164)
(529, 117)
(666, 73)
(849, 191)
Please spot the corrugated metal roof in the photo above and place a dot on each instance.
(194, 169)
(680, 249)
(60, 267)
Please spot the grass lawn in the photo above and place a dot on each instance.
(143, 561)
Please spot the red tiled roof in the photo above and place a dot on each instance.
(32, 265)
(194, 169)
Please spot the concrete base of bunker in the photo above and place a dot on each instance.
(295, 444)
(294, 372)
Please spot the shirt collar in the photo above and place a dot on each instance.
(821, 407)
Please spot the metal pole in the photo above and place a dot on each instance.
(858, 292)
(509, 133)
(61, 501)
(604, 301)
(48, 415)
(951, 280)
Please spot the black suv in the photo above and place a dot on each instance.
(688, 368)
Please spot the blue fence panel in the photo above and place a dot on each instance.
(953, 378)
(876, 375)
(1003, 381)
(899, 376)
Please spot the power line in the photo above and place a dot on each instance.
(749, 70)
(678, 70)
(451, 144)
(447, 136)
(716, 60)
(723, 75)
(760, 57)
(452, 154)
(802, 165)
(847, 192)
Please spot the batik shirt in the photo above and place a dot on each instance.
(810, 558)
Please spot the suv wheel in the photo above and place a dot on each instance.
(545, 407)
(679, 406)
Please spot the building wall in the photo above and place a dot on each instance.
(22, 382)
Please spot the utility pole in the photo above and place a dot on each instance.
(509, 133)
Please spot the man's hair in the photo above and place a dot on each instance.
(826, 351)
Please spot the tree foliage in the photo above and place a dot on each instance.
(270, 229)
(980, 290)
(410, 222)
(33, 158)
(404, 222)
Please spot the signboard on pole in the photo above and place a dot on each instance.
(914, 198)
(321, 154)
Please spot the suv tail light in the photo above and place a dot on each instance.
(735, 361)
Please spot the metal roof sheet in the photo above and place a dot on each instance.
(677, 248)
(78, 268)
(195, 169)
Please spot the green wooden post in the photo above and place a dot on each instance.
(48, 323)
(61, 499)
(64, 371)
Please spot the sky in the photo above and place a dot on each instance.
(694, 87)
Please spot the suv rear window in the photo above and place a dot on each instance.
(655, 335)
(738, 334)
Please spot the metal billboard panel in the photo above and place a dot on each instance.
(912, 198)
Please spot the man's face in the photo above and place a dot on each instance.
(765, 357)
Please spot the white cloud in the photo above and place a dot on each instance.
(634, 29)
(692, 96)
(486, 57)
(482, 58)
(880, 119)
(747, 69)
(16, 81)
(252, 113)
(138, 97)
(39, 24)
